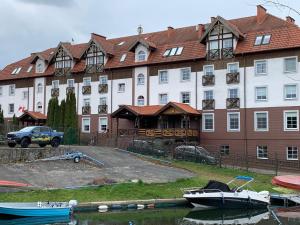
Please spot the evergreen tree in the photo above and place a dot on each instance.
(70, 119)
(56, 114)
(62, 115)
(15, 120)
(50, 113)
(1, 116)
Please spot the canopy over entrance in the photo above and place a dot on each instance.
(33, 118)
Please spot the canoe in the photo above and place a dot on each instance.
(36, 209)
(287, 181)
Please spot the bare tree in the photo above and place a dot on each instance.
(279, 5)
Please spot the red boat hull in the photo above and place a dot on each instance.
(288, 181)
(6, 183)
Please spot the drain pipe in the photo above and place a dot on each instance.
(245, 116)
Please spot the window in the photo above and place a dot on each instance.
(103, 79)
(185, 123)
(224, 149)
(261, 93)
(141, 79)
(163, 77)
(185, 97)
(55, 84)
(208, 122)
(208, 70)
(70, 83)
(233, 121)
(233, 93)
(86, 81)
(290, 91)
(11, 90)
(25, 94)
(292, 153)
(123, 57)
(103, 124)
(262, 152)
(290, 65)
(179, 50)
(173, 51)
(121, 87)
(261, 121)
(14, 71)
(141, 100)
(86, 102)
(39, 68)
(163, 99)
(185, 74)
(141, 56)
(29, 69)
(103, 101)
(121, 43)
(291, 122)
(1, 91)
(62, 60)
(208, 95)
(39, 107)
(227, 43)
(17, 70)
(213, 45)
(94, 55)
(233, 67)
(11, 108)
(86, 122)
(260, 67)
(262, 39)
(39, 88)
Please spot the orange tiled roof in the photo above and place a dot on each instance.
(145, 110)
(35, 115)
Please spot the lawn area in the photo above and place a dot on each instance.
(132, 191)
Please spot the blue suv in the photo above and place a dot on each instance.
(40, 135)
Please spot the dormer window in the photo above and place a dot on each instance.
(141, 56)
(94, 56)
(262, 39)
(62, 60)
(40, 67)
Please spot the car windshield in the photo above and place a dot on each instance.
(26, 129)
(202, 150)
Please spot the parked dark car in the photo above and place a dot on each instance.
(41, 135)
(146, 147)
(194, 153)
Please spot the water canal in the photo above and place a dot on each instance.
(165, 217)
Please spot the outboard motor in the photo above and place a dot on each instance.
(73, 203)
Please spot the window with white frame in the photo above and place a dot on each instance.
(103, 124)
(94, 55)
(292, 153)
(141, 56)
(86, 124)
(163, 99)
(62, 60)
(233, 121)
(103, 79)
(11, 108)
(39, 88)
(11, 89)
(291, 120)
(260, 67)
(86, 102)
(141, 79)
(233, 93)
(208, 95)
(121, 87)
(233, 67)
(55, 84)
(262, 39)
(163, 77)
(214, 45)
(39, 107)
(103, 100)
(39, 67)
(208, 70)
(261, 122)
(290, 91)
(290, 65)
(208, 122)
(25, 94)
(140, 100)
(86, 81)
(261, 94)
(1, 91)
(262, 151)
(185, 74)
(185, 97)
(227, 43)
(70, 83)
(224, 149)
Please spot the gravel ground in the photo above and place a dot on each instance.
(118, 166)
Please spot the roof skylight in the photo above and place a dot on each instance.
(123, 57)
(29, 69)
(173, 51)
(121, 43)
(262, 39)
(16, 70)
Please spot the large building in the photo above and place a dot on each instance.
(232, 83)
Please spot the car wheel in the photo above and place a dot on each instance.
(12, 145)
(25, 143)
(55, 142)
(42, 145)
(77, 159)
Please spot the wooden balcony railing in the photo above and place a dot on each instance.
(102, 88)
(86, 110)
(172, 132)
(213, 54)
(227, 53)
(233, 78)
(70, 90)
(62, 71)
(208, 104)
(233, 103)
(86, 90)
(102, 109)
(96, 68)
(208, 80)
(54, 92)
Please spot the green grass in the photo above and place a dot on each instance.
(141, 190)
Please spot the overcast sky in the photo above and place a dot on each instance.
(33, 25)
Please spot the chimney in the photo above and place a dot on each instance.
(97, 35)
(170, 29)
(200, 29)
(261, 13)
(290, 20)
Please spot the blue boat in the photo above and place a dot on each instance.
(36, 220)
(38, 209)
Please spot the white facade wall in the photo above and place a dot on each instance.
(121, 98)
(140, 90)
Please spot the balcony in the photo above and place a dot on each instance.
(86, 110)
(54, 92)
(70, 90)
(62, 71)
(86, 90)
(213, 54)
(233, 78)
(102, 109)
(103, 88)
(172, 132)
(233, 103)
(94, 68)
(208, 104)
(227, 53)
(208, 80)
